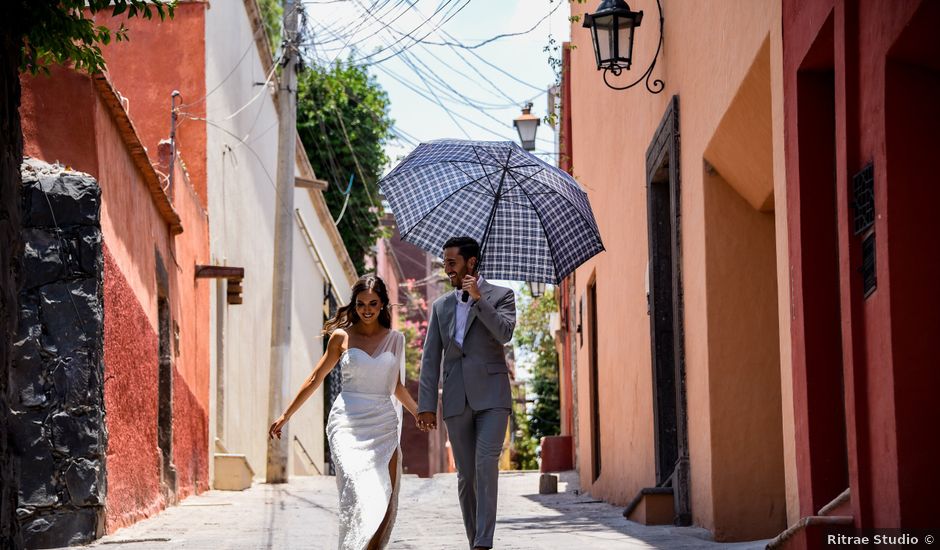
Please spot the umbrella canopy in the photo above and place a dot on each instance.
(533, 221)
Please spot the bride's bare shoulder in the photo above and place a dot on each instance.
(338, 337)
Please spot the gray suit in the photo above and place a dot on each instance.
(476, 397)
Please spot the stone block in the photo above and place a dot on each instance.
(548, 484)
(232, 472)
(29, 434)
(85, 481)
(28, 373)
(88, 251)
(53, 197)
(26, 344)
(62, 528)
(77, 435)
(78, 380)
(37, 487)
(72, 315)
(44, 260)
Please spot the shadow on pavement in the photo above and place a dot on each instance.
(575, 511)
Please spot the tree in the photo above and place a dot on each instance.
(342, 118)
(536, 345)
(35, 34)
(271, 14)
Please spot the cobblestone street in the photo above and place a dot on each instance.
(302, 515)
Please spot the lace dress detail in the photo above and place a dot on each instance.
(364, 429)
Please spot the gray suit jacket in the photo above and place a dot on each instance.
(477, 372)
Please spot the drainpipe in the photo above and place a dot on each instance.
(173, 121)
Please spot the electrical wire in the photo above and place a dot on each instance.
(238, 63)
(498, 36)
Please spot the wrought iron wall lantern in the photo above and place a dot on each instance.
(612, 27)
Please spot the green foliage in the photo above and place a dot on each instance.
(59, 31)
(271, 14)
(535, 345)
(342, 118)
(523, 453)
(414, 326)
(534, 338)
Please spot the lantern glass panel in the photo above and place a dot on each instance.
(625, 41)
(604, 38)
(527, 128)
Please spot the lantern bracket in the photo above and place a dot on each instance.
(658, 85)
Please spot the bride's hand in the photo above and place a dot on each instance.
(275, 430)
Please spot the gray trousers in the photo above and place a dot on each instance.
(476, 438)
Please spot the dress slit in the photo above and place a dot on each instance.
(380, 537)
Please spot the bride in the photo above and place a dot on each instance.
(364, 426)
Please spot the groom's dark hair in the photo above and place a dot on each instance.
(468, 247)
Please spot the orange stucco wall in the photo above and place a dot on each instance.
(160, 57)
(722, 59)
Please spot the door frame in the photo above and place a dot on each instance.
(664, 154)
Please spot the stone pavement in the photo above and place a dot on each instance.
(301, 515)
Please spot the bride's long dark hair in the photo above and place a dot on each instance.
(346, 316)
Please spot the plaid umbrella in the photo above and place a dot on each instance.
(532, 220)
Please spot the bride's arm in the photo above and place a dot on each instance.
(334, 349)
(401, 392)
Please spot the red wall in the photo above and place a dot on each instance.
(130, 390)
(190, 437)
(886, 68)
(158, 58)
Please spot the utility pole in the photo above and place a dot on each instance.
(283, 244)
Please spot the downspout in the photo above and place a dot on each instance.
(174, 114)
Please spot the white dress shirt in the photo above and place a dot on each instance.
(462, 312)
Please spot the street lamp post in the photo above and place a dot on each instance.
(536, 289)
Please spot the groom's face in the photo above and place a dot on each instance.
(456, 267)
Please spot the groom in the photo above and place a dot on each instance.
(466, 338)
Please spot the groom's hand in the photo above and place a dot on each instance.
(427, 421)
(470, 285)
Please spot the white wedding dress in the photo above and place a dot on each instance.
(364, 430)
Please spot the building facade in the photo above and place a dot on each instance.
(155, 311)
(182, 143)
(860, 86)
(241, 135)
(677, 335)
(753, 343)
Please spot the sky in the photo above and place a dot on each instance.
(496, 79)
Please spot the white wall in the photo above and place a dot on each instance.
(241, 169)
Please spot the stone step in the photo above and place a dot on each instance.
(652, 506)
(232, 472)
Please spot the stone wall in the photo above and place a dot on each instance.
(57, 424)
